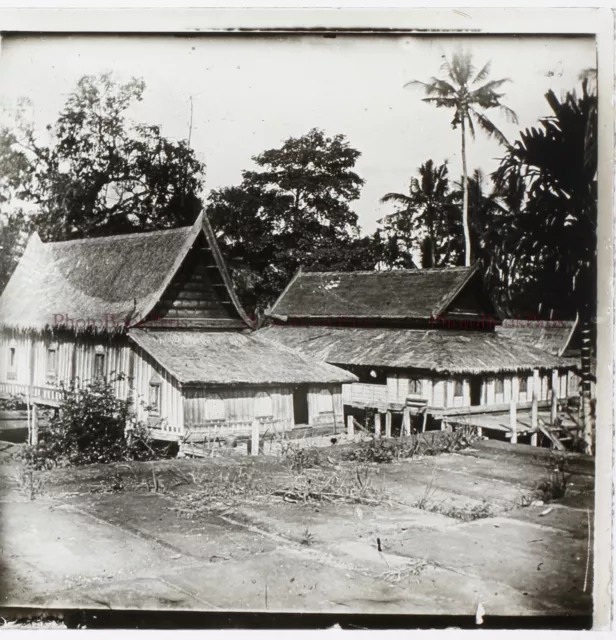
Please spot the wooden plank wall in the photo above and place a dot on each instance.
(171, 418)
(74, 358)
(239, 404)
(325, 405)
(440, 392)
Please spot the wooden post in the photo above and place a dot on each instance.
(34, 434)
(388, 424)
(350, 427)
(534, 416)
(515, 389)
(254, 447)
(513, 420)
(377, 424)
(406, 422)
(554, 405)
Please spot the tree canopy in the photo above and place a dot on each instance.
(427, 218)
(100, 172)
(552, 235)
(294, 209)
(466, 91)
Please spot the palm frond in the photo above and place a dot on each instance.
(398, 198)
(471, 127)
(491, 130)
(450, 103)
(439, 88)
(414, 83)
(509, 114)
(484, 73)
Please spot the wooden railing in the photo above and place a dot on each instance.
(223, 429)
(50, 396)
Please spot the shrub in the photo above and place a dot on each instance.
(91, 426)
(13, 403)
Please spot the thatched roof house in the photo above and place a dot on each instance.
(430, 332)
(159, 308)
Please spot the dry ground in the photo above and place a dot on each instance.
(220, 534)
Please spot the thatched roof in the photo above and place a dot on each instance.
(394, 295)
(435, 350)
(227, 358)
(553, 336)
(104, 284)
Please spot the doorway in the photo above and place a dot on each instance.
(300, 406)
(475, 391)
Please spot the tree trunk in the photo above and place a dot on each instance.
(587, 411)
(467, 233)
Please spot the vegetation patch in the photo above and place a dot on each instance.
(429, 444)
(92, 426)
(553, 486)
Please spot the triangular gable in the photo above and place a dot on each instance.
(470, 299)
(198, 292)
(110, 283)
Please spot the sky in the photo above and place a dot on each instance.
(250, 93)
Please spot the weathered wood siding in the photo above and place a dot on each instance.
(239, 404)
(325, 405)
(171, 416)
(74, 360)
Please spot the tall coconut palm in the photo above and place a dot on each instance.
(427, 213)
(465, 90)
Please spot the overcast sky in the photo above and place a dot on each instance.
(251, 93)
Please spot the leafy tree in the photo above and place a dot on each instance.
(555, 229)
(426, 216)
(462, 91)
(101, 172)
(15, 227)
(293, 210)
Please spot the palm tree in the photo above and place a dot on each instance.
(556, 229)
(427, 212)
(462, 90)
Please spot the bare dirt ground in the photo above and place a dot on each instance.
(453, 530)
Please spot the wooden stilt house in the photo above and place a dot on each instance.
(156, 313)
(428, 334)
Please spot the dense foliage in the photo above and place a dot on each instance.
(293, 210)
(91, 427)
(427, 217)
(549, 250)
(100, 172)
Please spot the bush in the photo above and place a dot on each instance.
(13, 403)
(90, 427)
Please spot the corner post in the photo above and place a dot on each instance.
(34, 432)
(534, 410)
(350, 427)
(377, 424)
(513, 420)
(554, 403)
(388, 424)
(254, 446)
